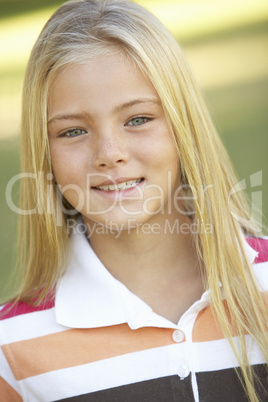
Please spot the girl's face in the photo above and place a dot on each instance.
(113, 156)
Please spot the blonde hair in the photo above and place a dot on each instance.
(82, 29)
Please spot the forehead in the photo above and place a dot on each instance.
(90, 54)
(101, 82)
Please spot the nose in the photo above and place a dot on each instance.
(110, 151)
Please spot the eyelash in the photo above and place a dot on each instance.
(67, 133)
(137, 118)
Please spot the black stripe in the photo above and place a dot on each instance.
(225, 386)
(213, 386)
(163, 389)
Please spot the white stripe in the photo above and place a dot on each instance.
(218, 355)
(28, 326)
(130, 368)
(105, 374)
(7, 374)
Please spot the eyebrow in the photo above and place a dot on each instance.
(116, 109)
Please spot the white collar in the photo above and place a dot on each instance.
(88, 296)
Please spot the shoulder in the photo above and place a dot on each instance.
(22, 325)
(259, 244)
(21, 321)
(260, 264)
(12, 310)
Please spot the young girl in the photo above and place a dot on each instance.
(142, 278)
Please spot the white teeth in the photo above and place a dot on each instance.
(120, 186)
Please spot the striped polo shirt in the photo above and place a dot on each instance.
(94, 340)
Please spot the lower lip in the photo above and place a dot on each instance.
(120, 194)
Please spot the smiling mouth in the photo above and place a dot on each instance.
(120, 186)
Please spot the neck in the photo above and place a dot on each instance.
(157, 262)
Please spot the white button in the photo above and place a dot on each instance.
(183, 372)
(178, 336)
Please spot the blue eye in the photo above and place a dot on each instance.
(137, 121)
(75, 132)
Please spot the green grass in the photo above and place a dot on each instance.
(9, 166)
(11, 8)
(240, 114)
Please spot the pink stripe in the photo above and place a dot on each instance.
(260, 245)
(13, 310)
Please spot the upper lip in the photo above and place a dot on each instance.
(117, 180)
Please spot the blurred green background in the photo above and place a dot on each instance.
(226, 43)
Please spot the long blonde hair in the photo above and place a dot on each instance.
(77, 31)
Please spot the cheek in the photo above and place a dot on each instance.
(161, 153)
(70, 184)
(167, 164)
(59, 167)
(70, 170)
(65, 165)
